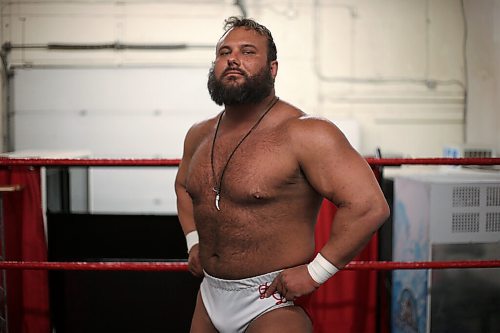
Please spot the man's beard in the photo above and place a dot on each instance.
(253, 90)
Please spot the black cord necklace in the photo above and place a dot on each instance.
(218, 185)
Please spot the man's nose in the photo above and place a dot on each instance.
(233, 61)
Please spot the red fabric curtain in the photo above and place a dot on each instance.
(347, 302)
(27, 291)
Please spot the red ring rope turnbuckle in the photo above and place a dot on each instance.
(183, 266)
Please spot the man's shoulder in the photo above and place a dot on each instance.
(310, 124)
(199, 131)
(299, 118)
(306, 132)
(203, 127)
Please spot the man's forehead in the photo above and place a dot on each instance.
(241, 35)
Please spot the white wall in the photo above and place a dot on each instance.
(496, 41)
(483, 105)
(112, 113)
(3, 115)
(394, 66)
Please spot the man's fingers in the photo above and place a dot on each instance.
(273, 287)
(195, 270)
(194, 264)
(199, 270)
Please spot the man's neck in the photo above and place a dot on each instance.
(241, 113)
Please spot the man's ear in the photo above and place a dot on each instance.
(274, 68)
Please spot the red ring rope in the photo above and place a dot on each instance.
(183, 266)
(433, 161)
(96, 162)
(90, 162)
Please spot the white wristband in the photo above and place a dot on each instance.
(192, 239)
(321, 269)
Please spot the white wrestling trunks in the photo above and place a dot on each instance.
(233, 304)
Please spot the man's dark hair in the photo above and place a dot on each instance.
(236, 22)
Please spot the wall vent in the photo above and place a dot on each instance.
(493, 222)
(478, 152)
(493, 196)
(465, 222)
(466, 196)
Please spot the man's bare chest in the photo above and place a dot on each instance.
(257, 169)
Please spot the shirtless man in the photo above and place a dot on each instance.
(250, 186)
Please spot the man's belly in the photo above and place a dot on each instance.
(238, 263)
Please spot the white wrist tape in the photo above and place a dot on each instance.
(192, 239)
(321, 269)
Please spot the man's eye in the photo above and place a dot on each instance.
(223, 53)
(248, 52)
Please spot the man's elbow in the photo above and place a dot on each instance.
(379, 213)
(179, 186)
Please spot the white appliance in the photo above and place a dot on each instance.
(452, 215)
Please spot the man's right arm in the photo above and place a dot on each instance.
(185, 205)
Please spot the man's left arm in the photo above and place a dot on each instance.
(341, 175)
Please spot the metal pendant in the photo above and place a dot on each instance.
(217, 197)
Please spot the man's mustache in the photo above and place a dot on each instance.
(232, 69)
